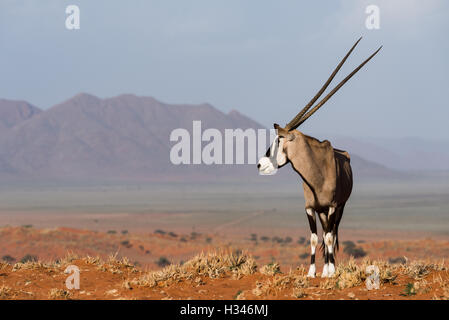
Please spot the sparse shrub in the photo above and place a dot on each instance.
(194, 235)
(277, 239)
(238, 295)
(352, 250)
(147, 252)
(27, 226)
(8, 259)
(124, 231)
(183, 239)
(141, 247)
(265, 238)
(348, 244)
(409, 290)
(301, 240)
(304, 255)
(357, 252)
(400, 260)
(288, 239)
(159, 231)
(28, 258)
(163, 262)
(208, 239)
(172, 234)
(253, 237)
(112, 232)
(126, 244)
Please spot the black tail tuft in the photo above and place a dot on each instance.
(322, 248)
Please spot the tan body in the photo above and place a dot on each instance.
(326, 172)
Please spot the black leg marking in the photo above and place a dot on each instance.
(331, 258)
(312, 223)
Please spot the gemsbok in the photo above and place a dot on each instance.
(326, 172)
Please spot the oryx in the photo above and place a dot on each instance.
(325, 171)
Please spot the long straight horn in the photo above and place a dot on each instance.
(330, 94)
(292, 124)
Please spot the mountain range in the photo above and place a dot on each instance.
(120, 138)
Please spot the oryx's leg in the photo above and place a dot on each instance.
(313, 241)
(329, 241)
(324, 224)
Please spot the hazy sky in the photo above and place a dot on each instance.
(263, 58)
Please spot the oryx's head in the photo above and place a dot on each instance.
(277, 154)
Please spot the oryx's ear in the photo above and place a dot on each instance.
(281, 131)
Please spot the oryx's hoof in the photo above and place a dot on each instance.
(312, 271)
(331, 270)
(325, 272)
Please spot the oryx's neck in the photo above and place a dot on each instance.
(307, 157)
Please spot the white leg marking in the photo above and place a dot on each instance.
(313, 244)
(329, 242)
(310, 212)
(331, 270)
(324, 274)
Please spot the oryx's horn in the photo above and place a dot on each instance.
(293, 124)
(330, 94)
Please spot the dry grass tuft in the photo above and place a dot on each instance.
(4, 265)
(59, 294)
(35, 265)
(349, 274)
(112, 264)
(6, 292)
(443, 284)
(270, 269)
(211, 265)
(272, 286)
(419, 269)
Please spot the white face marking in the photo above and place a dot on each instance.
(269, 165)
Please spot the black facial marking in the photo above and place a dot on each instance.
(267, 154)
